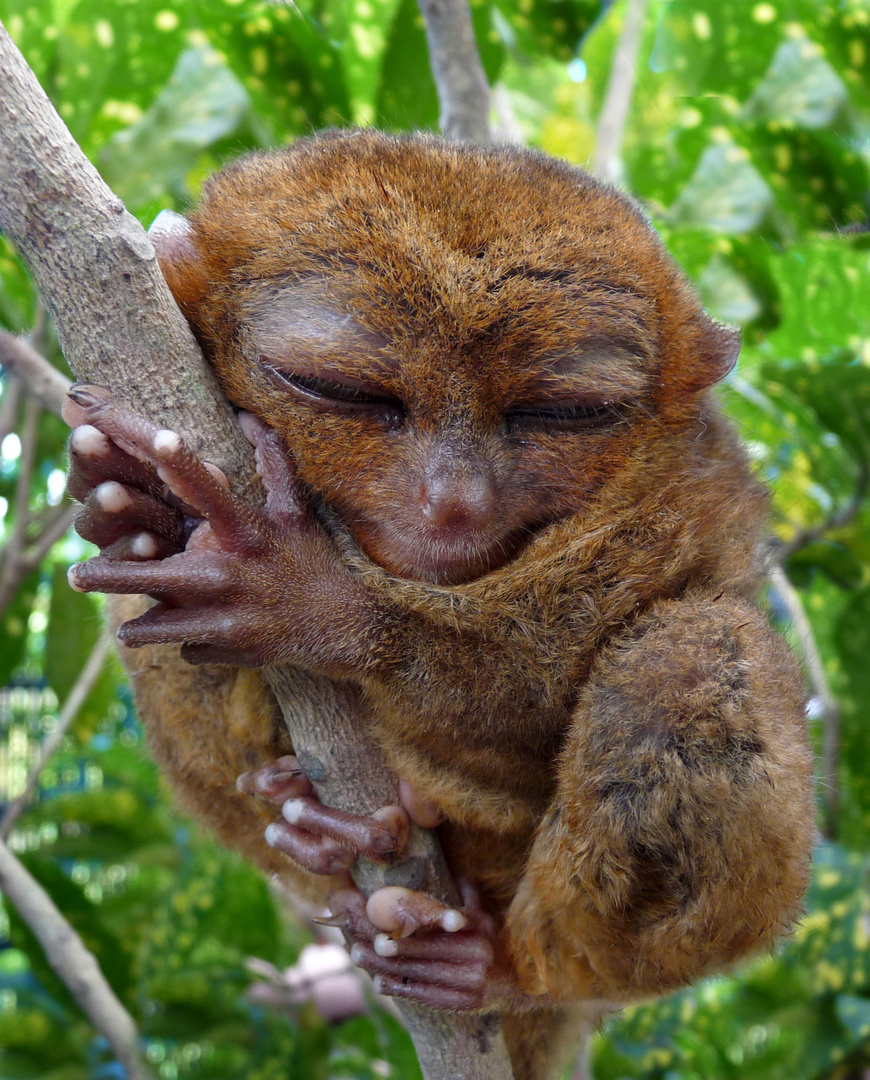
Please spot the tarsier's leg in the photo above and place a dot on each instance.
(447, 963)
(680, 836)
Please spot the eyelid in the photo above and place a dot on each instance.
(597, 412)
(332, 392)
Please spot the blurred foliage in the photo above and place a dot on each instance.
(749, 143)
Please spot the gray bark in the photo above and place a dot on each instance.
(459, 76)
(72, 962)
(617, 100)
(119, 327)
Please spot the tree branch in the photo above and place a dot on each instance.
(837, 520)
(617, 100)
(41, 378)
(9, 405)
(73, 963)
(75, 699)
(119, 326)
(821, 690)
(13, 551)
(459, 76)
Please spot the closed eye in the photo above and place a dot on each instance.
(329, 392)
(576, 416)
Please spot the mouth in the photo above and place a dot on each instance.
(451, 561)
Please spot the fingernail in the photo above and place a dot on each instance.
(452, 920)
(292, 810)
(272, 834)
(339, 920)
(385, 946)
(71, 576)
(287, 774)
(409, 925)
(81, 396)
(356, 954)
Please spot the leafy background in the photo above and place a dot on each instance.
(749, 143)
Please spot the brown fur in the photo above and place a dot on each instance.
(613, 732)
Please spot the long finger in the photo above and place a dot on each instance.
(172, 577)
(275, 466)
(113, 510)
(403, 911)
(94, 458)
(186, 474)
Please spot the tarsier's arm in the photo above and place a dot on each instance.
(679, 836)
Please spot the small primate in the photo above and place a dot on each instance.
(502, 502)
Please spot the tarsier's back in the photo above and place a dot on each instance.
(532, 546)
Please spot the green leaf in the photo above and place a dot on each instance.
(841, 565)
(854, 1014)
(285, 58)
(202, 102)
(800, 88)
(726, 192)
(407, 97)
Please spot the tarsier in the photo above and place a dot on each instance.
(503, 502)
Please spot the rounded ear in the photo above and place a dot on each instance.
(714, 348)
(180, 262)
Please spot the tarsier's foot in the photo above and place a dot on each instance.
(320, 838)
(445, 963)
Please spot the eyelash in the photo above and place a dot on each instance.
(340, 394)
(566, 417)
(529, 417)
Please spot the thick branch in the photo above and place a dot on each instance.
(617, 101)
(119, 327)
(459, 76)
(72, 962)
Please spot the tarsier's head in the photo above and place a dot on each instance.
(459, 345)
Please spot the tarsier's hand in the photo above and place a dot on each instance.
(234, 584)
(412, 945)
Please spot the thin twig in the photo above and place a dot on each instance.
(821, 690)
(41, 378)
(617, 100)
(50, 527)
(9, 404)
(837, 520)
(14, 548)
(463, 91)
(22, 553)
(77, 967)
(77, 696)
